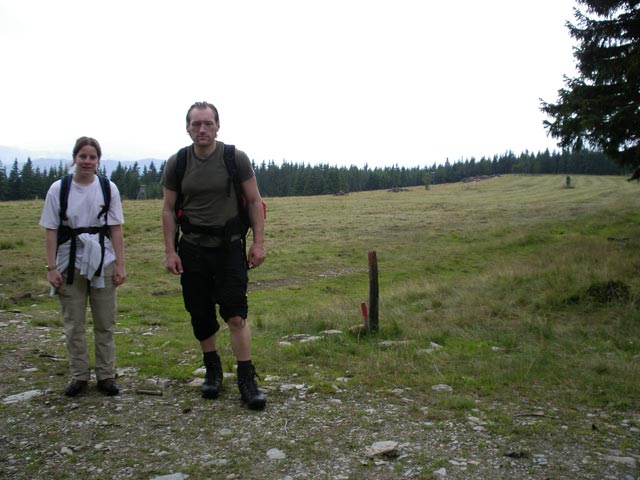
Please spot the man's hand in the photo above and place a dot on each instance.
(256, 255)
(173, 263)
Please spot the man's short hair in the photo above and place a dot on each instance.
(202, 106)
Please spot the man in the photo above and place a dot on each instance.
(210, 256)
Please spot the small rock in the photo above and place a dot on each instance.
(442, 387)
(275, 454)
(477, 421)
(66, 451)
(441, 472)
(172, 476)
(21, 397)
(393, 343)
(288, 386)
(629, 461)
(387, 448)
(301, 337)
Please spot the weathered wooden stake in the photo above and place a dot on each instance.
(373, 292)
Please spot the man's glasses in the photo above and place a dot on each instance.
(206, 123)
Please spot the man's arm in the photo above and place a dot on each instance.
(172, 260)
(256, 217)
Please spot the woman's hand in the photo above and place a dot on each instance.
(54, 278)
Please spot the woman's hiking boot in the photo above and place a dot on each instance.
(212, 385)
(249, 392)
(109, 387)
(75, 387)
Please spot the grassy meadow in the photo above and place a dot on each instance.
(531, 290)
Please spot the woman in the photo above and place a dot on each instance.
(85, 259)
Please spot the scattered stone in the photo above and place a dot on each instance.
(628, 461)
(441, 472)
(22, 397)
(442, 387)
(160, 382)
(540, 460)
(285, 387)
(301, 338)
(196, 382)
(157, 393)
(477, 421)
(66, 451)
(386, 448)
(394, 343)
(433, 346)
(172, 476)
(275, 454)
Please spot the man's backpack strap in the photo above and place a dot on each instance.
(229, 156)
(181, 167)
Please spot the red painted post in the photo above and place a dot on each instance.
(365, 315)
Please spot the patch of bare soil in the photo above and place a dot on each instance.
(160, 427)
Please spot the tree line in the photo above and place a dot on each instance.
(292, 179)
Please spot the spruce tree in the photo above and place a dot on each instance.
(600, 108)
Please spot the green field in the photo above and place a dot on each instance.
(497, 272)
(529, 289)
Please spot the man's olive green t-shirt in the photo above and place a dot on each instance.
(205, 190)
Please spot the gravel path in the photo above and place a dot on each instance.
(346, 434)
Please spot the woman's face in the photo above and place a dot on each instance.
(86, 161)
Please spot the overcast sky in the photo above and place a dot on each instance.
(343, 82)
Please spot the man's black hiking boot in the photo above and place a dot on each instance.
(249, 392)
(212, 385)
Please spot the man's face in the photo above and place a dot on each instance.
(202, 127)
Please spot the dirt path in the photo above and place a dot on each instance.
(301, 435)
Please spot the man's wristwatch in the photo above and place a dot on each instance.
(49, 268)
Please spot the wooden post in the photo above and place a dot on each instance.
(373, 292)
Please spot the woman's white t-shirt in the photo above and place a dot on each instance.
(85, 202)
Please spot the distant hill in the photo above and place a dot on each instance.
(47, 160)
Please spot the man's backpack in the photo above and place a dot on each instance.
(237, 225)
(65, 232)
